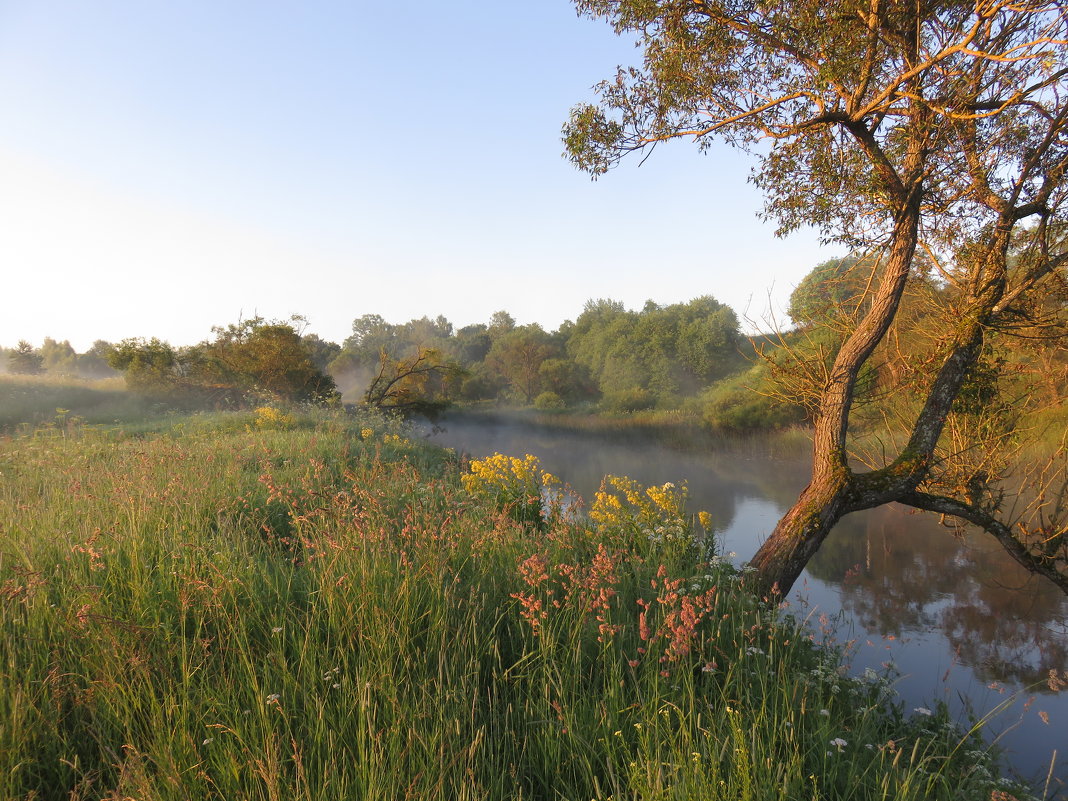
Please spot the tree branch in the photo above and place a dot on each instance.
(1041, 564)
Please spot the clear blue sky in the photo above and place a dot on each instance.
(169, 166)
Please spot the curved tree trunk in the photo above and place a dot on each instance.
(835, 490)
(802, 530)
(797, 537)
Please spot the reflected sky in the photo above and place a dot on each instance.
(955, 615)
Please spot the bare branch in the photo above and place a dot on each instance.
(1050, 566)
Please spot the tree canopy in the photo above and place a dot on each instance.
(25, 359)
(663, 350)
(246, 362)
(898, 129)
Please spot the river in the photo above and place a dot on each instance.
(958, 619)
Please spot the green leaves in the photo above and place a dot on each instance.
(246, 362)
(591, 140)
(657, 352)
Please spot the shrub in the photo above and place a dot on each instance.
(626, 514)
(269, 417)
(549, 402)
(628, 400)
(740, 404)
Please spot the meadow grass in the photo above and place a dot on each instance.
(298, 605)
(58, 402)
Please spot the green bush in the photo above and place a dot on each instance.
(743, 403)
(628, 400)
(549, 402)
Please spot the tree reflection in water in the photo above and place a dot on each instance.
(900, 572)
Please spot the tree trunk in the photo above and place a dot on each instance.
(797, 537)
(802, 530)
(835, 490)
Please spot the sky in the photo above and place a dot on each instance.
(170, 166)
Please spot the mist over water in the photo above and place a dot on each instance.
(957, 618)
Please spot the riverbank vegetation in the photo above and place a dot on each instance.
(684, 366)
(284, 603)
(33, 401)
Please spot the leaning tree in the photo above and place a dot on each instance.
(901, 128)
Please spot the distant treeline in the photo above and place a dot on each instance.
(622, 360)
(610, 360)
(58, 358)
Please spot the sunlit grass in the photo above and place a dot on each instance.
(314, 607)
(60, 402)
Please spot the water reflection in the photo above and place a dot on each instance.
(900, 572)
(955, 614)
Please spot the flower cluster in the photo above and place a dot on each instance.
(270, 418)
(516, 486)
(626, 513)
(678, 617)
(585, 588)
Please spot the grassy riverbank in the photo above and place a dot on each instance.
(282, 605)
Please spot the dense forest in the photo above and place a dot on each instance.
(690, 358)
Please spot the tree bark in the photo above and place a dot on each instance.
(797, 537)
(802, 530)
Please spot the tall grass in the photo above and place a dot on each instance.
(32, 402)
(266, 606)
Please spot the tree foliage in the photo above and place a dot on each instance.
(59, 358)
(517, 354)
(257, 357)
(418, 383)
(898, 129)
(94, 362)
(358, 361)
(152, 367)
(25, 359)
(660, 352)
(833, 292)
(246, 362)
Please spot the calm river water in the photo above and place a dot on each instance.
(960, 621)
